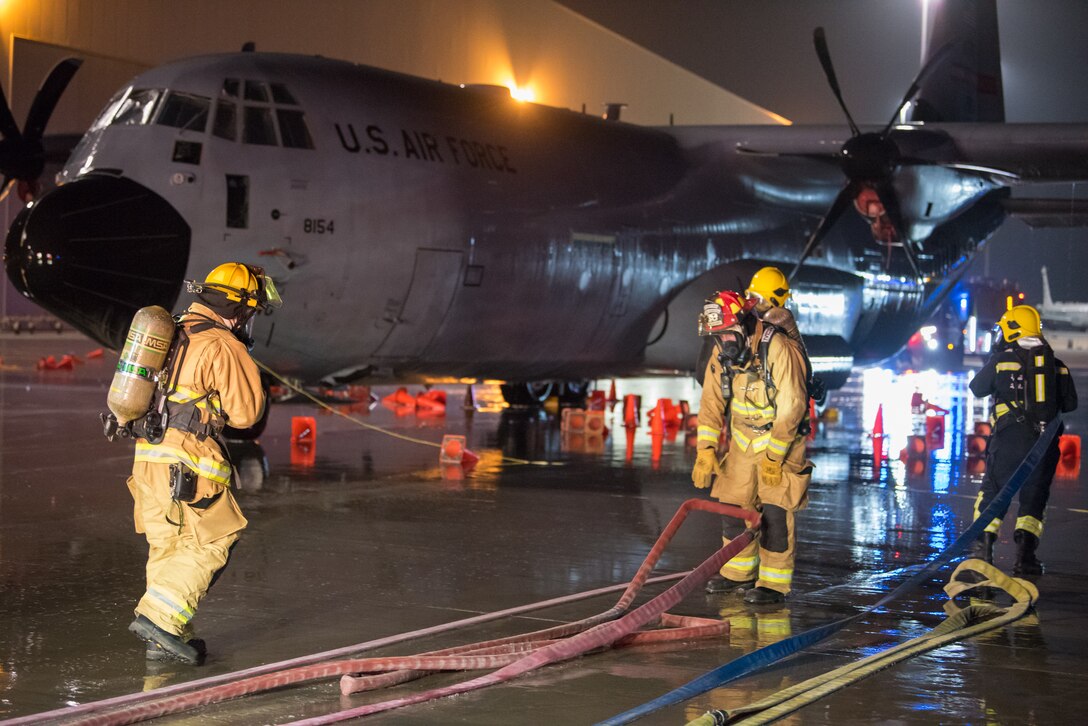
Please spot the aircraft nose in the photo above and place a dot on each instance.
(96, 250)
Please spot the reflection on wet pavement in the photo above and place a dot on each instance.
(374, 538)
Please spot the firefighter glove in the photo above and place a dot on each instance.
(706, 468)
(770, 472)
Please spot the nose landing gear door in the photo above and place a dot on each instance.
(435, 278)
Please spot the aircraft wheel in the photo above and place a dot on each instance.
(533, 393)
(573, 393)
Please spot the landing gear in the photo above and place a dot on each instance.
(573, 393)
(531, 394)
(535, 393)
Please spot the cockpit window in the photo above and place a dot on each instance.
(184, 111)
(138, 108)
(225, 125)
(269, 116)
(293, 129)
(109, 111)
(256, 91)
(258, 128)
(280, 94)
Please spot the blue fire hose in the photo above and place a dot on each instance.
(765, 656)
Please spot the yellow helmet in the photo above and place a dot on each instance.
(236, 281)
(769, 285)
(1020, 321)
(235, 286)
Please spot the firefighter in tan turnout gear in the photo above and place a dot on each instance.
(181, 477)
(758, 376)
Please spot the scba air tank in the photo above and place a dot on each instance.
(146, 346)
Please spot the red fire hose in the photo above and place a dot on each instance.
(513, 656)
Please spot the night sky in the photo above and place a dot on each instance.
(763, 52)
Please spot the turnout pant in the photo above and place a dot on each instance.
(188, 546)
(1008, 446)
(770, 559)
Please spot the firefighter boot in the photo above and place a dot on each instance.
(172, 646)
(764, 596)
(983, 548)
(156, 652)
(1026, 561)
(717, 585)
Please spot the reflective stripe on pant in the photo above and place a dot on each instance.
(743, 566)
(179, 568)
(772, 557)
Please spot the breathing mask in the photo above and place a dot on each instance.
(734, 348)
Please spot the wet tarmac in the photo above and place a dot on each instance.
(366, 536)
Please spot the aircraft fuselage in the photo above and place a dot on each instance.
(419, 228)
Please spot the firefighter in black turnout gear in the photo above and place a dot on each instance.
(1030, 387)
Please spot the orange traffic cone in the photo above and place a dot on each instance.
(394, 399)
(432, 402)
(657, 417)
(630, 411)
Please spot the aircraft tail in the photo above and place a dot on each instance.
(1047, 300)
(967, 85)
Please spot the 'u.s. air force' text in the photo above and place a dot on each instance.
(427, 147)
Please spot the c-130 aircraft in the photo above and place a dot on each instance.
(421, 229)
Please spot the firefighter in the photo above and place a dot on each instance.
(1030, 387)
(757, 377)
(770, 290)
(181, 484)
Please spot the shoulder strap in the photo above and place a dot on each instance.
(174, 358)
(769, 331)
(198, 323)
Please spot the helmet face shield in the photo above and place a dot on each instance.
(268, 290)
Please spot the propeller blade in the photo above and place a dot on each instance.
(888, 198)
(934, 60)
(48, 95)
(8, 127)
(822, 52)
(9, 182)
(844, 199)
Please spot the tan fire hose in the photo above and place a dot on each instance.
(962, 622)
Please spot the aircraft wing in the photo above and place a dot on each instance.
(1009, 154)
(1049, 213)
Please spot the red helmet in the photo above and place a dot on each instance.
(723, 310)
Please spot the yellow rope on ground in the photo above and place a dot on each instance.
(963, 622)
(302, 392)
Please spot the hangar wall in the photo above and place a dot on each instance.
(563, 58)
